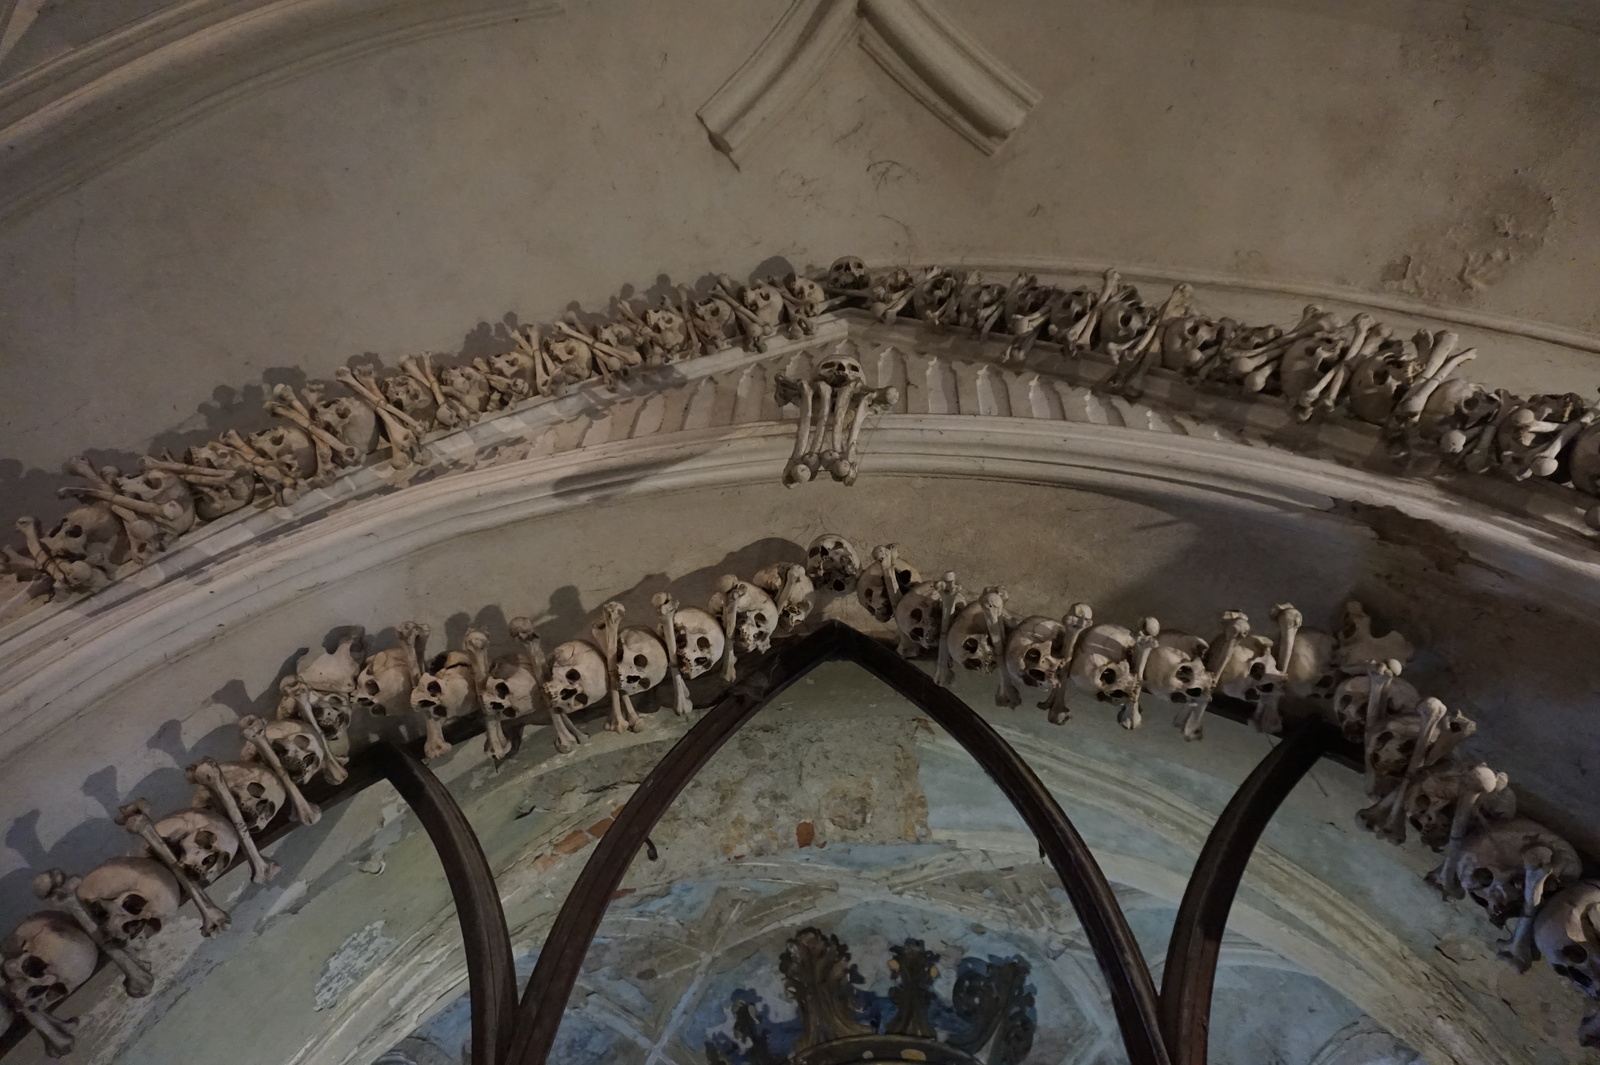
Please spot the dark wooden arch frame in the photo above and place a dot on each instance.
(1169, 1028)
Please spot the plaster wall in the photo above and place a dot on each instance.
(412, 198)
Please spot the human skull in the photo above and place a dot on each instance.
(1123, 318)
(1250, 672)
(1350, 700)
(258, 794)
(872, 594)
(577, 677)
(45, 959)
(1456, 405)
(130, 898)
(763, 301)
(809, 295)
(714, 313)
(1306, 360)
(1567, 933)
(667, 327)
(1030, 653)
(1431, 800)
(792, 592)
(1378, 380)
(969, 640)
(288, 448)
(849, 272)
(353, 422)
(1073, 308)
(467, 386)
(1493, 864)
(641, 661)
(295, 746)
(1188, 341)
(410, 397)
(755, 615)
(384, 684)
(920, 615)
(203, 841)
(1100, 663)
(1176, 669)
(333, 671)
(509, 692)
(840, 370)
(701, 641)
(159, 487)
(447, 691)
(832, 563)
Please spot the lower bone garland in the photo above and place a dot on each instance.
(1524, 876)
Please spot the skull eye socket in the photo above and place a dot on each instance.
(574, 676)
(1108, 676)
(1195, 692)
(134, 903)
(1185, 674)
(435, 688)
(759, 617)
(303, 742)
(640, 661)
(916, 613)
(839, 585)
(1481, 877)
(970, 644)
(1574, 954)
(703, 643)
(34, 966)
(255, 789)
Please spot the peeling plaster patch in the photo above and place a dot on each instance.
(1394, 526)
(1475, 249)
(347, 965)
(289, 900)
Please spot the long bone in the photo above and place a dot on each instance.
(1544, 460)
(254, 731)
(1127, 375)
(1324, 393)
(1436, 371)
(833, 448)
(282, 488)
(1144, 643)
(667, 607)
(875, 399)
(207, 774)
(615, 360)
(332, 765)
(1519, 949)
(447, 411)
(1379, 674)
(1480, 456)
(55, 886)
(1313, 319)
(1387, 816)
(807, 434)
(949, 596)
(285, 404)
(401, 432)
(887, 556)
(1077, 621)
(1475, 784)
(136, 818)
(1081, 335)
(496, 744)
(993, 604)
(608, 633)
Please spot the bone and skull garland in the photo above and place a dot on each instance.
(834, 404)
(1319, 367)
(1415, 772)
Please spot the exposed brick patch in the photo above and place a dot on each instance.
(805, 833)
(573, 842)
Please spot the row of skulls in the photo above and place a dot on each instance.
(123, 520)
(1519, 871)
(1320, 366)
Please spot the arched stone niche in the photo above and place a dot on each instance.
(1141, 513)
